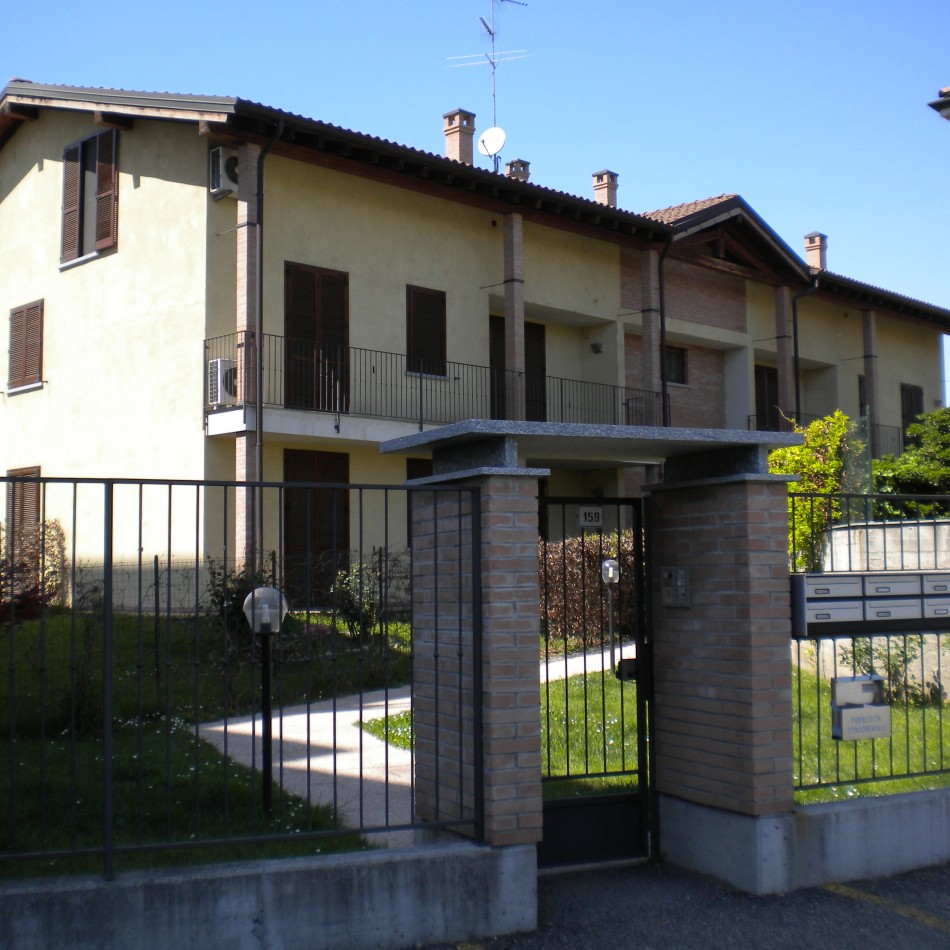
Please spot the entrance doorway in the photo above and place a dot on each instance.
(595, 683)
(316, 518)
(316, 339)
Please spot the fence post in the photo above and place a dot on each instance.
(108, 830)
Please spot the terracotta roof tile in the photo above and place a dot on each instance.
(678, 212)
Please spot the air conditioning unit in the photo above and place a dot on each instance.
(222, 383)
(223, 173)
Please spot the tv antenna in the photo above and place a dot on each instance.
(492, 140)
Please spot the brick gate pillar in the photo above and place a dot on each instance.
(478, 744)
(722, 663)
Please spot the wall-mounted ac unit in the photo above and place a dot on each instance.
(222, 383)
(223, 173)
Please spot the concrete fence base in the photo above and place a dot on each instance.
(814, 845)
(380, 899)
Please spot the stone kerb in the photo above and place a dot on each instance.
(722, 672)
(454, 737)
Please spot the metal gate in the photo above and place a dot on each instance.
(596, 681)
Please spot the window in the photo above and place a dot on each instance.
(90, 195)
(316, 330)
(676, 365)
(425, 331)
(26, 345)
(912, 405)
(23, 499)
(316, 524)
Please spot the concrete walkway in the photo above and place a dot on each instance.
(322, 755)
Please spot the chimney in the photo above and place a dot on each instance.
(518, 168)
(605, 187)
(816, 250)
(459, 129)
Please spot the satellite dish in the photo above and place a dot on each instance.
(491, 141)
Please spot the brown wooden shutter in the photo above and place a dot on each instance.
(23, 499)
(26, 344)
(426, 330)
(107, 189)
(72, 176)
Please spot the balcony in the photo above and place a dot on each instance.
(885, 440)
(357, 382)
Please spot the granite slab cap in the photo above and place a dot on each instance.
(500, 444)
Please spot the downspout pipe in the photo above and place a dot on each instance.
(259, 335)
(796, 358)
(661, 279)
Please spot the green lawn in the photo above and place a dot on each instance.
(919, 742)
(589, 727)
(170, 786)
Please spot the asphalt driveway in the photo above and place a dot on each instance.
(657, 907)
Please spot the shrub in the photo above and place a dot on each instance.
(892, 659)
(366, 593)
(33, 568)
(574, 602)
(819, 464)
(228, 588)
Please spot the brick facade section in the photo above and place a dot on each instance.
(444, 650)
(701, 402)
(698, 295)
(722, 665)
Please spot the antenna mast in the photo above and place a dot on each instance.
(492, 140)
(493, 61)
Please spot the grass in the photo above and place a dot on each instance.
(588, 735)
(588, 742)
(395, 729)
(919, 743)
(170, 787)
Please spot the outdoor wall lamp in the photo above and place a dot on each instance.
(265, 609)
(610, 574)
(597, 347)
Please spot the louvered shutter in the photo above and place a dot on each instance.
(26, 344)
(23, 499)
(72, 176)
(107, 190)
(426, 331)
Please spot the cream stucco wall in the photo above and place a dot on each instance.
(123, 333)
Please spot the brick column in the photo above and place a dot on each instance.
(723, 717)
(514, 315)
(246, 302)
(650, 306)
(784, 348)
(869, 335)
(451, 733)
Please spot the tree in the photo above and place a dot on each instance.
(814, 498)
(922, 469)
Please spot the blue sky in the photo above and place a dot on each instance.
(815, 111)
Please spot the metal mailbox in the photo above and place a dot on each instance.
(892, 585)
(830, 586)
(893, 608)
(858, 709)
(936, 583)
(833, 611)
(937, 606)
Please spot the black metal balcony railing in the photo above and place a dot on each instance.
(885, 440)
(298, 374)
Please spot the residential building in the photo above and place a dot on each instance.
(208, 288)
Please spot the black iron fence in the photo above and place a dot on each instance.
(911, 708)
(134, 694)
(299, 374)
(876, 635)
